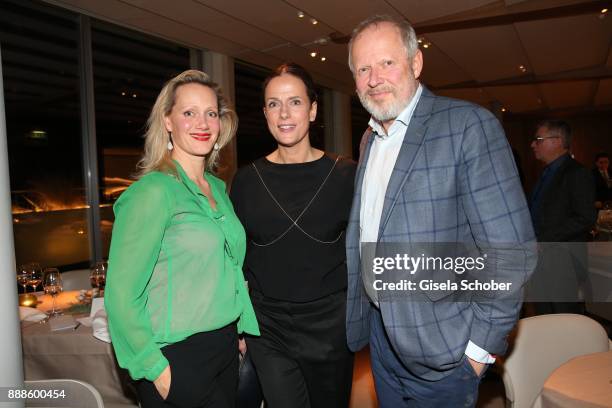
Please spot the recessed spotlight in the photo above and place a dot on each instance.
(301, 14)
(323, 59)
(423, 42)
(604, 11)
(503, 109)
(122, 93)
(314, 21)
(133, 95)
(522, 68)
(313, 54)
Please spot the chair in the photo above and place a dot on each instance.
(77, 394)
(541, 344)
(76, 279)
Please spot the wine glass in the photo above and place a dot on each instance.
(36, 275)
(98, 276)
(52, 283)
(23, 277)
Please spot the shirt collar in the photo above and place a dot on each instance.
(403, 118)
(184, 178)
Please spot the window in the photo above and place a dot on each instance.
(41, 89)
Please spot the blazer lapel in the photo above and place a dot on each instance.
(411, 146)
(352, 232)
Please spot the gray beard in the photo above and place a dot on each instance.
(379, 113)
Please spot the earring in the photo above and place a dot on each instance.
(216, 146)
(170, 146)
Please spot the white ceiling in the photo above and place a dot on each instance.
(568, 58)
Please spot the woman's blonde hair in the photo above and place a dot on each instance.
(156, 154)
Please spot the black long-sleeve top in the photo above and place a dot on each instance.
(296, 266)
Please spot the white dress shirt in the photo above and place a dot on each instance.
(383, 155)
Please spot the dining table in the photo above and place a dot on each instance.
(582, 382)
(73, 353)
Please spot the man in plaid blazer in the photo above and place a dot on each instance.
(432, 170)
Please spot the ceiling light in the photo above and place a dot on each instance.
(122, 93)
(313, 54)
(604, 11)
(133, 95)
(314, 21)
(522, 68)
(37, 134)
(503, 109)
(423, 42)
(323, 59)
(301, 14)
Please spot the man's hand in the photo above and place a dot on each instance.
(478, 367)
(162, 383)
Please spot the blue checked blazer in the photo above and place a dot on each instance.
(454, 180)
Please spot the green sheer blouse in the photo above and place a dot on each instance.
(175, 269)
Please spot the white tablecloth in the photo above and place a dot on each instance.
(72, 354)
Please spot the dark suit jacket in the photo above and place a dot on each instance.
(602, 191)
(566, 212)
(562, 222)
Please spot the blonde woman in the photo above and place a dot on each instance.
(175, 294)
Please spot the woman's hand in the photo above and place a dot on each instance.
(162, 383)
(242, 347)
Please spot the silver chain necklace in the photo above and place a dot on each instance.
(294, 222)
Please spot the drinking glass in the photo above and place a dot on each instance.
(52, 283)
(36, 275)
(23, 277)
(98, 276)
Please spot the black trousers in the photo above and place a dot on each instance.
(301, 357)
(204, 372)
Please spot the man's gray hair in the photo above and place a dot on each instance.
(406, 32)
(560, 128)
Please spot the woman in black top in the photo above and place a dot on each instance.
(294, 204)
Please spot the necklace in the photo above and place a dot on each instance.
(294, 222)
